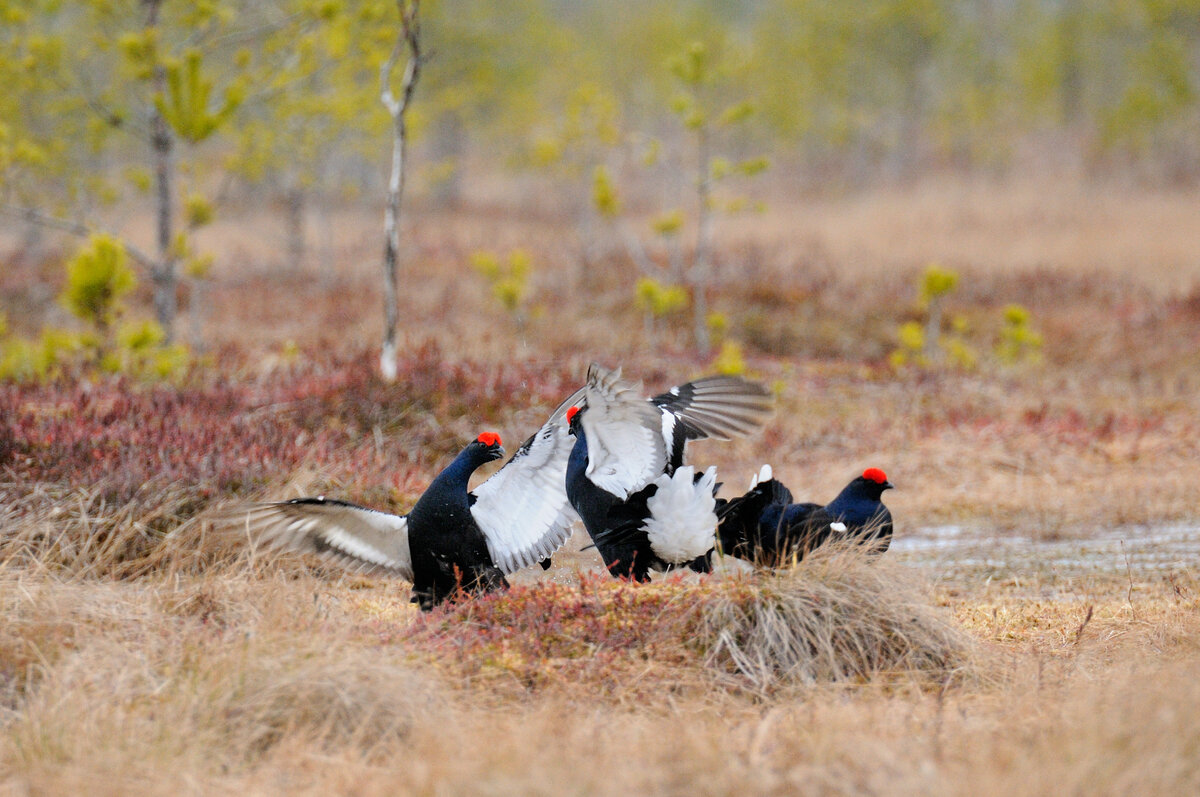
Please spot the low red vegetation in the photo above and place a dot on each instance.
(598, 633)
(129, 462)
(231, 437)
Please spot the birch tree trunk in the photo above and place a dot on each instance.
(409, 39)
(701, 270)
(163, 144)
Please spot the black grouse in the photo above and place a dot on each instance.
(860, 506)
(644, 509)
(452, 538)
(764, 526)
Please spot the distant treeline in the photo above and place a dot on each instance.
(284, 94)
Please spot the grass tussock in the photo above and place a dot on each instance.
(841, 615)
(837, 617)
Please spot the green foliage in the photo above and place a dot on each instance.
(604, 193)
(934, 344)
(693, 66)
(508, 279)
(198, 266)
(141, 52)
(928, 345)
(736, 113)
(140, 351)
(669, 223)
(98, 277)
(936, 283)
(912, 346)
(729, 359)
(658, 300)
(198, 211)
(753, 166)
(288, 88)
(137, 350)
(40, 360)
(959, 353)
(98, 280)
(718, 324)
(186, 106)
(1018, 341)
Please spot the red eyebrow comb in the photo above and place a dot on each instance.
(875, 475)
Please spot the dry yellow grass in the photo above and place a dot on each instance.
(285, 683)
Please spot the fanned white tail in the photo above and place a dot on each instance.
(683, 523)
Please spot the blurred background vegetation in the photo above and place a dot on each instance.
(115, 112)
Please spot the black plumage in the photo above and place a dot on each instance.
(766, 527)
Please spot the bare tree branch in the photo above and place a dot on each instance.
(637, 252)
(110, 117)
(34, 216)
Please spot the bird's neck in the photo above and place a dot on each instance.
(578, 460)
(591, 501)
(853, 502)
(454, 478)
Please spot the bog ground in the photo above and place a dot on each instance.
(1033, 631)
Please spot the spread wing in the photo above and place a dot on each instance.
(626, 449)
(522, 508)
(351, 535)
(719, 407)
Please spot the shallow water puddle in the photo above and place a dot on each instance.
(1133, 548)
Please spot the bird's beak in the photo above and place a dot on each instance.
(888, 486)
(498, 452)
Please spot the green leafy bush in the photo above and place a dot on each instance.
(604, 193)
(509, 279)
(98, 277)
(1018, 341)
(729, 359)
(946, 341)
(98, 280)
(659, 300)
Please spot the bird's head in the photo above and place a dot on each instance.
(489, 446)
(875, 481)
(573, 419)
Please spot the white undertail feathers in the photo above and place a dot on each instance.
(682, 520)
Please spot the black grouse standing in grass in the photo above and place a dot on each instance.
(453, 538)
(860, 506)
(644, 509)
(765, 527)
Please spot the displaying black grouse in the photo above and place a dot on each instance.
(765, 527)
(453, 538)
(644, 509)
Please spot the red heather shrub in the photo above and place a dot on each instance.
(231, 437)
(114, 450)
(549, 633)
